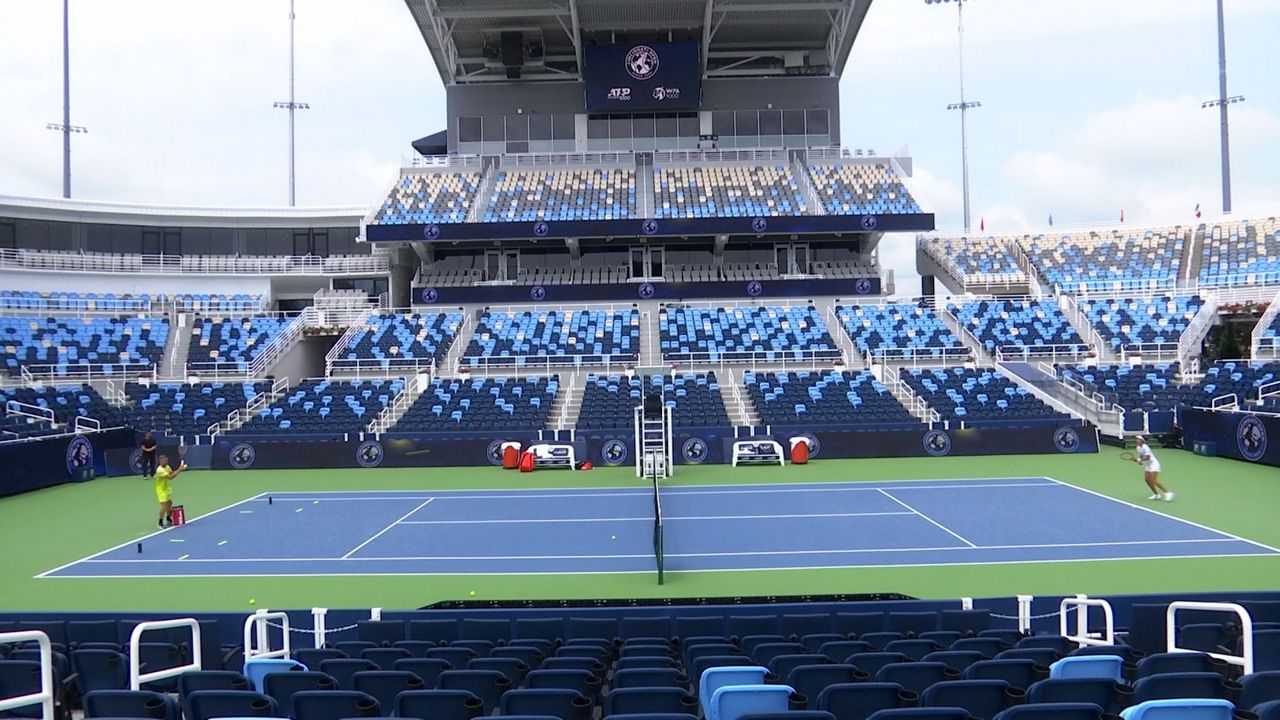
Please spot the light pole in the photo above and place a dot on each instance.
(65, 127)
(964, 106)
(292, 106)
(1221, 103)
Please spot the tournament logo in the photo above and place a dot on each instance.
(649, 227)
(538, 293)
(811, 440)
(937, 443)
(613, 452)
(694, 451)
(431, 232)
(862, 286)
(666, 93)
(135, 462)
(754, 288)
(1066, 439)
(493, 453)
(869, 222)
(642, 62)
(759, 224)
(370, 454)
(242, 456)
(541, 228)
(430, 295)
(646, 291)
(79, 454)
(1251, 438)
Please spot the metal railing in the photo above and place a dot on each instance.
(21, 259)
(1262, 345)
(774, 360)
(562, 420)
(339, 347)
(239, 416)
(84, 372)
(987, 281)
(1084, 399)
(35, 412)
(390, 415)
(1072, 352)
(45, 696)
(567, 160)
(488, 365)
(1193, 337)
(916, 405)
(924, 356)
(711, 156)
(137, 677)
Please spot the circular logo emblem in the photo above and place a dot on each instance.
(869, 222)
(430, 295)
(1066, 439)
(493, 453)
(613, 452)
(431, 232)
(694, 451)
(649, 227)
(642, 62)
(538, 292)
(937, 443)
(862, 286)
(540, 228)
(370, 454)
(1251, 438)
(242, 456)
(815, 447)
(135, 461)
(646, 291)
(755, 288)
(79, 454)
(759, 224)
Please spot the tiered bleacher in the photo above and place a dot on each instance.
(1031, 326)
(555, 336)
(579, 194)
(1236, 377)
(609, 401)
(402, 340)
(326, 407)
(66, 402)
(184, 408)
(71, 344)
(900, 330)
(1143, 391)
(434, 197)
(1240, 253)
(1142, 324)
(1116, 259)
(22, 300)
(232, 343)
(767, 333)
(978, 395)
(979, 260)
(204, 302)
(572, 276)
(455, 404)
(713, 191)
(861, 189)
(824, 398)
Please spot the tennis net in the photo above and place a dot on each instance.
(657, 528)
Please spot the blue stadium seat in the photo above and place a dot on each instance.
(554, 337)
(450, 404)
(65, 346)
(422, 197)
(900, 330)
(825, 398)
(699, 334)
(978, 396)
(391, 340)
(711, 191)
(870, 188)
(609, 401)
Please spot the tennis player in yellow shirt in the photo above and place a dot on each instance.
(164, 492)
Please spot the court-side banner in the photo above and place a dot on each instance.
(52, 461)
(643, 77)
(1239, 435)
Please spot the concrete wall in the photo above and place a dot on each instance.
(306, 359)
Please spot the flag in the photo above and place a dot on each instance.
(1050, 219)
(1121, 214)
(982, 224)
(1197, 209)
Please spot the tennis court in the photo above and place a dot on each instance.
(711, 527)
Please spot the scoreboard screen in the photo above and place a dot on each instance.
(643, 77)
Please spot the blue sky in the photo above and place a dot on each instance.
(1089, 106)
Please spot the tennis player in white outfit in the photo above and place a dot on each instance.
(1151, 471)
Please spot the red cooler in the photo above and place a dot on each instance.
(510, 455)
(799, 451)
(526, 462)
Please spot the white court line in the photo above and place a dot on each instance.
(384, 530)
(88, 558)
(647, 518)
(1170, 517)
(939, 525)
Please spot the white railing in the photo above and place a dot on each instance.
(84, 424)
(924, 356)
(1244, 660)
(562, 420)
(916, 405)
(490, 365)
(776, 359)
(35, 412)
(739, 401)
(701, 157)
(986, 281)
(46, 694)
(1054, 353)
(1080, 400)
(1193, 337)
(813, 201)
(1082, 636)
(1263, 346)
(43, 260)
(556, 160)
(239, 416)
(257, 638)
(442, 161)
(353, 330)
(1268, 391)
(390, 415)
(1080, 319)
(86, 372)
(115, 393)
(1230, 401)
(358, 368)
(136, 676)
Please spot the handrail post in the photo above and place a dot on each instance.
(45, 696)
(136, 676)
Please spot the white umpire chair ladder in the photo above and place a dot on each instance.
(653, 443)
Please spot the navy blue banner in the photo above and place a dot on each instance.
(630, 292)
(668, 227)
(52, 461)
(1239, 435)
(648, 77)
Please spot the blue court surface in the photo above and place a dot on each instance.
(749, 527)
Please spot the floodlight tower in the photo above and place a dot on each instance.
(964, 106)
(292, 105)
(65, 127)
(1221, 103)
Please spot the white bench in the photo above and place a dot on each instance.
(757, 452)
(554, 456)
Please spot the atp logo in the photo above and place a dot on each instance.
(370, 454)
(1251, 438)
(937, 443)
(642, 62)
(242, 456)
(649, 227)
(538, 293)
(1066, 439)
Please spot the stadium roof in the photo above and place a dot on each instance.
(738, 37)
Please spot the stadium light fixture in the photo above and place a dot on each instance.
(65, 127)
(1222, 101)
(292, 105)
(964, 106)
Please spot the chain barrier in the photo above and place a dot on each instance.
(1055, 613)
(311, 631)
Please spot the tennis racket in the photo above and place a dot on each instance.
(1130, 457)
(182, 451)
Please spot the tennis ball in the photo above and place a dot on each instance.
(252, 601)
(472, 593)
(613, 537)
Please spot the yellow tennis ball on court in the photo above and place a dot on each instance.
(252, 601)
(472, 593)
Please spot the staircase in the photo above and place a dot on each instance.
(645, 206)
(391, 414)
(737, 401)
(1191, 256)
(1071, 310)
(1192, 340)
(892, 379)
(812, 202)
(243, 415)
(452, 359)
(852, 358)
(966, 337)
(487, 182)
(650, 335)
(568, 403)
(178, 347)
(1040, 380)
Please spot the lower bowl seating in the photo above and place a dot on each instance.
(824, 398)
(458, 405)
(609, 401)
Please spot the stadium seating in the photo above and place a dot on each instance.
(1150, 387)
(186, 409)
(744, 333)
(823, 398)
(609, 401)
(1031, 325)
(899, 329)
(232, 343)
(66, 402)
(69, 342)
(399, 340)
(1142, 325)
(23, 300)
(204, 302)
(983, 260)
(1241, 252)
(978, 395)
(1115, 259)
(1270, 338)
(861, 189)
(595, 194)
(726, 191)
(443, 197)
(1236, 377)
(325, 407)
(558, 337)
(453, 404)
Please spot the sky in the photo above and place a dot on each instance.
(1089, 107)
